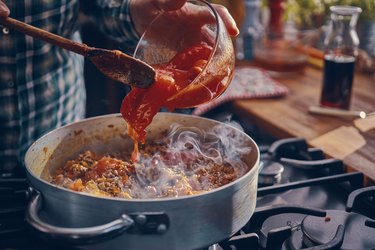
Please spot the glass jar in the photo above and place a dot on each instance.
(341, 49)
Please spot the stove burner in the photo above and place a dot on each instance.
(318, 231)
(290, 211)
(271, 174)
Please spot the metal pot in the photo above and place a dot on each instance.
(188, 222)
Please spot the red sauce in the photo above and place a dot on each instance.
(141, 105)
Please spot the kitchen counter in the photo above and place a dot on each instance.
(289, 117)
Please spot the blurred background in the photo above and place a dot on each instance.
(305, 20)
(282, 36)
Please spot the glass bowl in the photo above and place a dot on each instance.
(175, 31)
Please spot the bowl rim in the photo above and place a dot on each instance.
(218, 23)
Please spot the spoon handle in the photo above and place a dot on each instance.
(337, 112)
(46, 36)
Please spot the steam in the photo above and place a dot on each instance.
(188, 151)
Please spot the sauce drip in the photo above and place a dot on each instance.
(141, 105)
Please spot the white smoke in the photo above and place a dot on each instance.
(188, 150)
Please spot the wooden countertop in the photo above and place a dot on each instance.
(289, 117)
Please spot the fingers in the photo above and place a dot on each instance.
(4, 10)
(142, 19)
(168, 5)
(228, 20)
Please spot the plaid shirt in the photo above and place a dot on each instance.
(41, 85)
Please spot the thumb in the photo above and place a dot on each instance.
(4, 10)
(168, 5)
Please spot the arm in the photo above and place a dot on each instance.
(127, 19)
(144, 11)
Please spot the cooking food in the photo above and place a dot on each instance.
(69, 215)
(141, 105)
(179, 163)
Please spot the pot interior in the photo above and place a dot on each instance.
(107, 133)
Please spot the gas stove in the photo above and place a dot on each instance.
(307, 202)
(304, 202)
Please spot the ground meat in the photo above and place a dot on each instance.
(164, 175)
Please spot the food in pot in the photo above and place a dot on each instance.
(141, 105)
(183, 161)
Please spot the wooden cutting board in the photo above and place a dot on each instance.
(289, 117)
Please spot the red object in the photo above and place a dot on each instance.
(276, 13)
(141, 105)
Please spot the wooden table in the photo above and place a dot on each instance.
(289, 117)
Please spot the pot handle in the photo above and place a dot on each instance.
(139, 223)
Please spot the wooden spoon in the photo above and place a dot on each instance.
(113, 63)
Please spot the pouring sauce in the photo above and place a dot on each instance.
(141, 105)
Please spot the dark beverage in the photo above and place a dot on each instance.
(337, 81)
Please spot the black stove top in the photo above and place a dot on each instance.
(304, 202)
(307, 202)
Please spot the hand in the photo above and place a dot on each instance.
(144, 11)
(4, 10)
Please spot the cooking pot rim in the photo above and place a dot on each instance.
(253, 171)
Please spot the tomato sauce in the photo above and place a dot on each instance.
(141, 105)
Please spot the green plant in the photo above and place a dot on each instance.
(304, 12)
(368, 8)
(310, 13)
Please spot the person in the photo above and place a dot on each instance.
(41, 85)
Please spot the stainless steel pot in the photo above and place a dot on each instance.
(189, 222)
